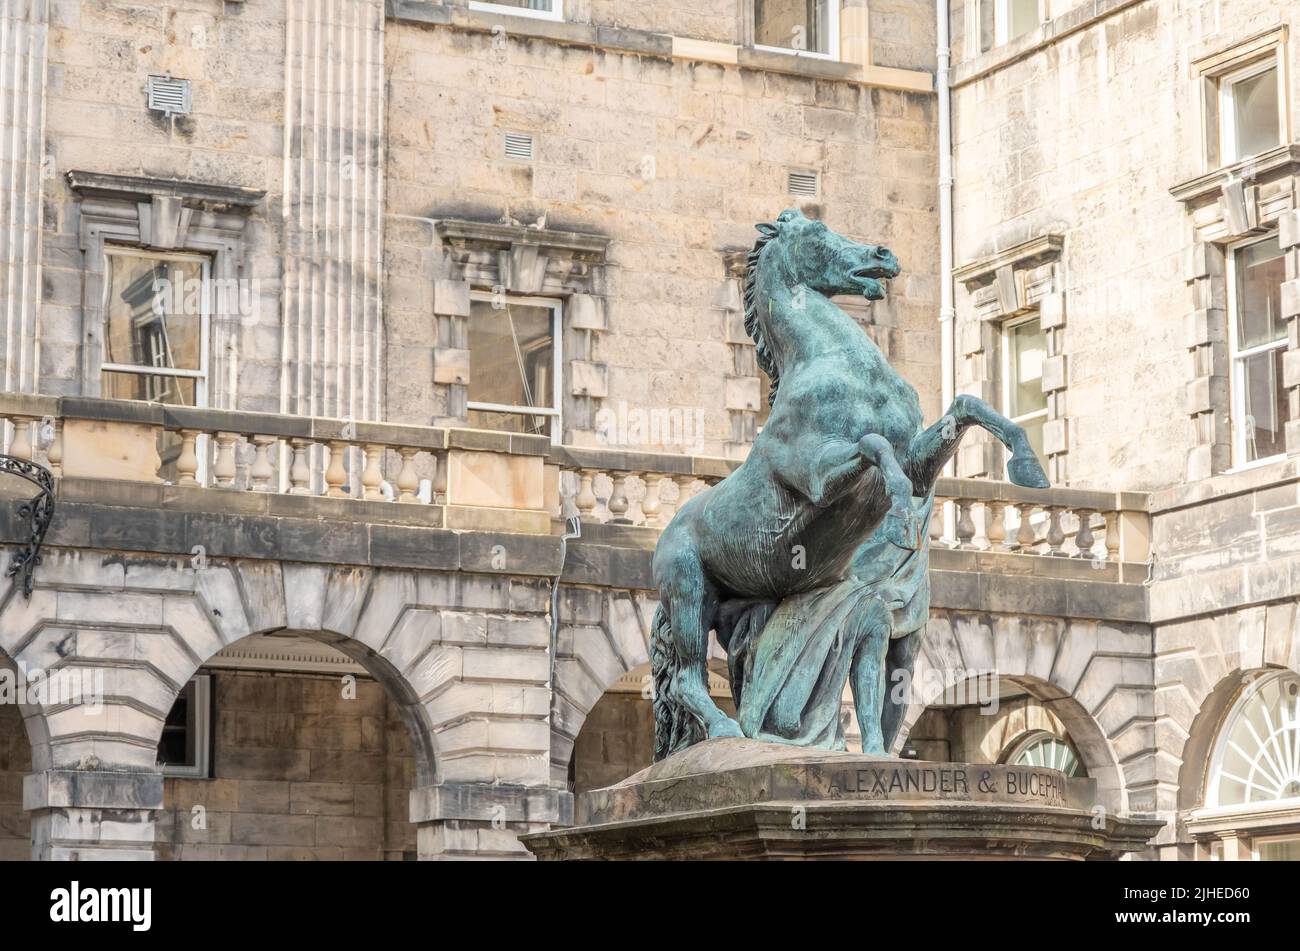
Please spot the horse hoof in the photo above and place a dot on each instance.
(1025, 469)
(725, 727)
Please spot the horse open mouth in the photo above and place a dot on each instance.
(870, 277)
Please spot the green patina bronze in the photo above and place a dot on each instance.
(810, 561)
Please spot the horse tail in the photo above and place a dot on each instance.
(675, 727)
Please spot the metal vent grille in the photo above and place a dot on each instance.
(519, 145)
(803, 184)
(169, 96)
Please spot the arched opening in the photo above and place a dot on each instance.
(1251, 783)
(15, 763)
(617, 737)
(1014, 720)
(285, 746)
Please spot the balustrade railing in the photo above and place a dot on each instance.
(477, 469)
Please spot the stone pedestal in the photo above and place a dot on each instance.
(743, 799)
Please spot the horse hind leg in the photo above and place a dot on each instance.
(867, 677)
(692, 606)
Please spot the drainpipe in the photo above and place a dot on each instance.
(574, 524)
(947, 311)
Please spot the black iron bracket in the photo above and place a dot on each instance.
(37, 511)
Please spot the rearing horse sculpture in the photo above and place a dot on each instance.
(837, 486)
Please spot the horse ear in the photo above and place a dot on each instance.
(767, 230)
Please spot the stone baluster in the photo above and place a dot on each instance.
(53, 444)
(685, 489)
(300, 469)
(223, 467)
(408, 481)
(965, 524)
(995, 526)
(1055, 534)
(586, 500)
(21, 445)
(618, 503)
(440, 466)
(1026, 538)
(336, 473)
(373, 473)
(652, 504)
(1083, 538)
(1112, 536)
(187, 462)
(261, 472)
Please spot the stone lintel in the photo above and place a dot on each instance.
(486, 803)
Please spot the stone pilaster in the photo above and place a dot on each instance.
(1289, 239)
(451, 359)
(1207, 397)
(471, 820)
(86, 815)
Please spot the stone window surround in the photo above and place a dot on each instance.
(1021, 280)
(977, 65)
(1209, 69)
(1253, 198)
(854, 67)
(162, 215)
(527, 261)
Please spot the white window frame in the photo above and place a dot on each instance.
(1257, 840)
(832, 37)
(200, 376)
(1228, 154)
(557, 13)
(1235, 357)
(1002, 21)
(202, 767)
(1006, 328)
(557, 356)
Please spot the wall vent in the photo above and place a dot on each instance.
(169, 96)
(803, 184)
(519, 145)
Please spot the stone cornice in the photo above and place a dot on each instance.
(503, 236)
(145, 188)
(1285, 159)
(661, 45)
(1033, 251)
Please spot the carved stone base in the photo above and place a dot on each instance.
(742, 799)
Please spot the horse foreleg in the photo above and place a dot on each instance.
(931, 448)
(902, 527)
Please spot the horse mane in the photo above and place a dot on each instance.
(762, 351)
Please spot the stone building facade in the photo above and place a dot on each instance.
(327, 316)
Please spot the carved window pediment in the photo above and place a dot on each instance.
(522, 259)
(1014, 281)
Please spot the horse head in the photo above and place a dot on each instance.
(807, 255)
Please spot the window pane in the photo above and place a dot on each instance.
(511, 363)
(523, 4)
(1027, 347)
(1024, 17)
(1261, 269)
(1266, 404)
(1280, 850)
(178, 746)
(793, 24)
(154, 311)
(173, 390)
(510, 422)
(1255, 114)
(1034, 431)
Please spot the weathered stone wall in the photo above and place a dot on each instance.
(299, 772)
(975, 734)
(15, 763)
(1050, 139)
(673, 161)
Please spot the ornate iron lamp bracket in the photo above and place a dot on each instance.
(37, 511)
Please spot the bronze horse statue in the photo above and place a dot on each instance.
(837, 486)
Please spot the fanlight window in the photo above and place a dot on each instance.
(1258, 758)
(1048, 751)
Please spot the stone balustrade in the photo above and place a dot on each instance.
(499, 481)
(1061, 522)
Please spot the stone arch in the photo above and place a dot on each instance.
(602, 635)
(1094, 676)
(1203, 733)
